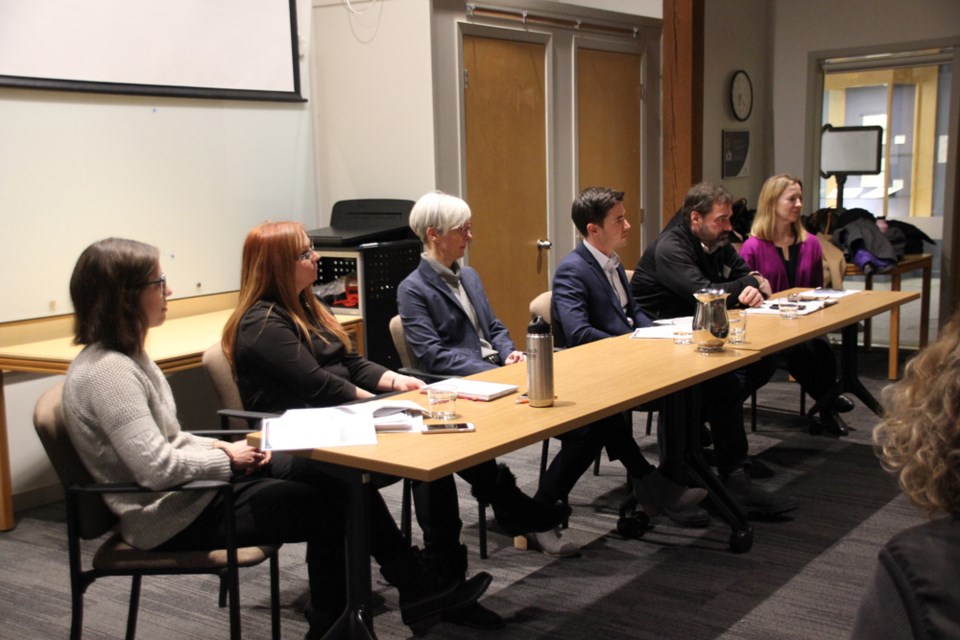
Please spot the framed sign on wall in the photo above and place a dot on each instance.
(736, 153)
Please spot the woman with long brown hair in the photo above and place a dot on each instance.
(289, 352)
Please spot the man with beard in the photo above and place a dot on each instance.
(693, 252)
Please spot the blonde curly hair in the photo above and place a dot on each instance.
(919, 437)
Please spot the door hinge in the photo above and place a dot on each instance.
(466, 79)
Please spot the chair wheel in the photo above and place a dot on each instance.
(741, 540)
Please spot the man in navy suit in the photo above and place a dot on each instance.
(591, 300)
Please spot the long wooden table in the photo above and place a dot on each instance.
(769, 334)
(591, 381)
(45, 346)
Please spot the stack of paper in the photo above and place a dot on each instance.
(340, 426)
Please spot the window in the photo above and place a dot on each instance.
(908, 94)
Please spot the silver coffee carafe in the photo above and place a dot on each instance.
(710, 322)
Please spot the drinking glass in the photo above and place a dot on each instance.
(443, 401)
(738, 326)
(789, 306)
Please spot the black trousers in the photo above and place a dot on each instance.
(580, 447)
(438, 509)
(293, 500)
(721, 406)
(813, 365)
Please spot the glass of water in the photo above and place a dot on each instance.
(738, 326)
(789, 306)
(443, 401)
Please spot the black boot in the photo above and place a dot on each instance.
(516, 512)
(452, 565)
(425, 596)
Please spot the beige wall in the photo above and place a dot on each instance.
(735, 37)
(799, 27)
(372, 101)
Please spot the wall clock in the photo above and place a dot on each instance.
(741, 95)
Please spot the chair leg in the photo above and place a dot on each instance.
(649, 422)
(76, 614)
(803, 402)
(482, 529)
(275, 596)
(596, 465)
(406, 523)
(544, 454)
(233, 588)
(134, 607)
(753, 411)
(222, 599)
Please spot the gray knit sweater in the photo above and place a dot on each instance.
(122, 419)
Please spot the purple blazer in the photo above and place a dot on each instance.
(764, 257)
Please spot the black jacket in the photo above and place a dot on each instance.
(277, 370)
(675, 265)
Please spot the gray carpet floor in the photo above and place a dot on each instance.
(803, 578)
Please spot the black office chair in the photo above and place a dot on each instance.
(88, 518)
(411, 367)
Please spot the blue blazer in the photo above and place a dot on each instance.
(584, 306)
(438, 329)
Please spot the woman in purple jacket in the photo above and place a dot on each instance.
(787, 256)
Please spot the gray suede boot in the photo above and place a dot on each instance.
(657, 494)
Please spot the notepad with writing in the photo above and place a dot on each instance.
(476, 389)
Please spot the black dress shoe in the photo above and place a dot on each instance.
(843, 404)
(475, 616)
(757, 469)
(829, 421)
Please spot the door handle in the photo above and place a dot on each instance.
(544, 244)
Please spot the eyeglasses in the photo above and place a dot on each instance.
(306, 255)
(465, 228)
(162, 281)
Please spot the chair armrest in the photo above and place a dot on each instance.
(223, 434)
(250, 416)
(423, 375)
(130, 487)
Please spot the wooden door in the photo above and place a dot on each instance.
(609, 91)
(506, 177)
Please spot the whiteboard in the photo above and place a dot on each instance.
(850, 150)
(189, 176)
(198, 48)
